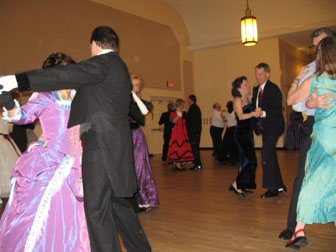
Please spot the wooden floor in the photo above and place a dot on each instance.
(197, 213)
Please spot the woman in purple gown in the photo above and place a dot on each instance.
(45, 210)
(147, 196)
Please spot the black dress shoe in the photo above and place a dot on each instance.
(286, 234)
(232, 189)
(269, 194)
(140, 209)
(247, 191)
(282, 189)
(196, 168)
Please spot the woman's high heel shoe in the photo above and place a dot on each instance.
(297, 242)
(239, 194)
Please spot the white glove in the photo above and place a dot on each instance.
(140, 104)
(7, 83)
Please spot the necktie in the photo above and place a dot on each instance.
(260, 97)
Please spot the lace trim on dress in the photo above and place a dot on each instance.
(17, 113)
(41, 215)
(65, 103)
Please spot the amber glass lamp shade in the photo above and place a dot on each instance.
(249, 31)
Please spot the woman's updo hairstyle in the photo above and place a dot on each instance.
(58, 59)
(237, 84)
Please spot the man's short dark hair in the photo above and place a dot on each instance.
(265, 66)
(193, 98)
(105, 37)
(325, 30)
(170, 106)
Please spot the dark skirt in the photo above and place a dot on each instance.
(247, 159)
(229, 151)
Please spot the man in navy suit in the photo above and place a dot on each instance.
(268, 97)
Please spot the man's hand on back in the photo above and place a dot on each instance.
(320, 101)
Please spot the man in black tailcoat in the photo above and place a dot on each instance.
(101, 106)
(268, 97)
(194, 129)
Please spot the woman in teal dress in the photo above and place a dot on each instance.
(317, 199)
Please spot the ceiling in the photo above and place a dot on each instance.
(214, 23)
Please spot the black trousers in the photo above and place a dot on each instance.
(194, 143)
(216, 136)
(306, 130)
(272, 179)
(106, 215)
(166, 140)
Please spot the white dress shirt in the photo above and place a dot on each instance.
(231, 119)
(216, 119)
(261, 87)
(301, 106)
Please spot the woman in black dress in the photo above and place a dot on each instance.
(244, 137)
(229, 150)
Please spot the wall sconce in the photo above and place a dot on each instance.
(249, 31)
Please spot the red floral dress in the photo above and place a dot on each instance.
(179, 147)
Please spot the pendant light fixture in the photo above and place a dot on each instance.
(249, 31)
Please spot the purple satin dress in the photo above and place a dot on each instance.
(45, 210)
(147, 195)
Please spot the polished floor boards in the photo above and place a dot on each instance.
(198, 213)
